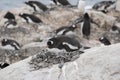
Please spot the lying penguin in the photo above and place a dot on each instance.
(65, 30)
(4, 65)
(64, 42)
(10, 44)
(30, 18)
(104, 6)
(104, 41)
(37, 6)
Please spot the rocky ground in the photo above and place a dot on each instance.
(42, 64)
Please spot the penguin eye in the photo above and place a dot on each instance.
(50, 43)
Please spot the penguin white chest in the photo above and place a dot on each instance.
(29, 20)
(70, 46)
(8, 47)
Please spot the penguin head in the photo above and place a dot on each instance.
(104, 40)
(52, 42)
(4, 42)
(20, 14)
(86, 16)
(114, 28)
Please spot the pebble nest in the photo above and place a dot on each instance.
(46, 58)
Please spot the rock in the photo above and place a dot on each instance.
(95, 64)
(118, 5)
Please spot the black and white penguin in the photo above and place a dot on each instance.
(37, 6)
(62, 2)
(86, 26)
(10, 44)
(10, 19)
(65, 30)
(30, 18)
(9, 16)
(64, 42)
(4, 65)
(104, 5)
(105, 41)
(115, 29)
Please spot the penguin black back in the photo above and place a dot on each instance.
(64, 42)
(9, 16)
(30, 16)
(86, 25)
(105, 41)
(55, 1)
(37, 3)
(63, 30)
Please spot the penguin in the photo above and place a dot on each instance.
(86, 26)
(65, 30)
(62, 2)
(105, 41)
(64, 42)
(9, 16)
(10, 44)
(104, 5)
(4, 65)
(29, 18)
(11, 24)
(115, 29)
(37, 6)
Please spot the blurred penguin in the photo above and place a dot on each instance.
(86, 26)
(104, 41)
(37, 6)
(30, 18)
(4, 65)
(10, 44)
(66, 30)
(104, 6)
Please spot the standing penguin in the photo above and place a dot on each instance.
(64, 42)
(86, 26)
(29, 18)
(37, 6)
(10, 44)
(105, 41)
